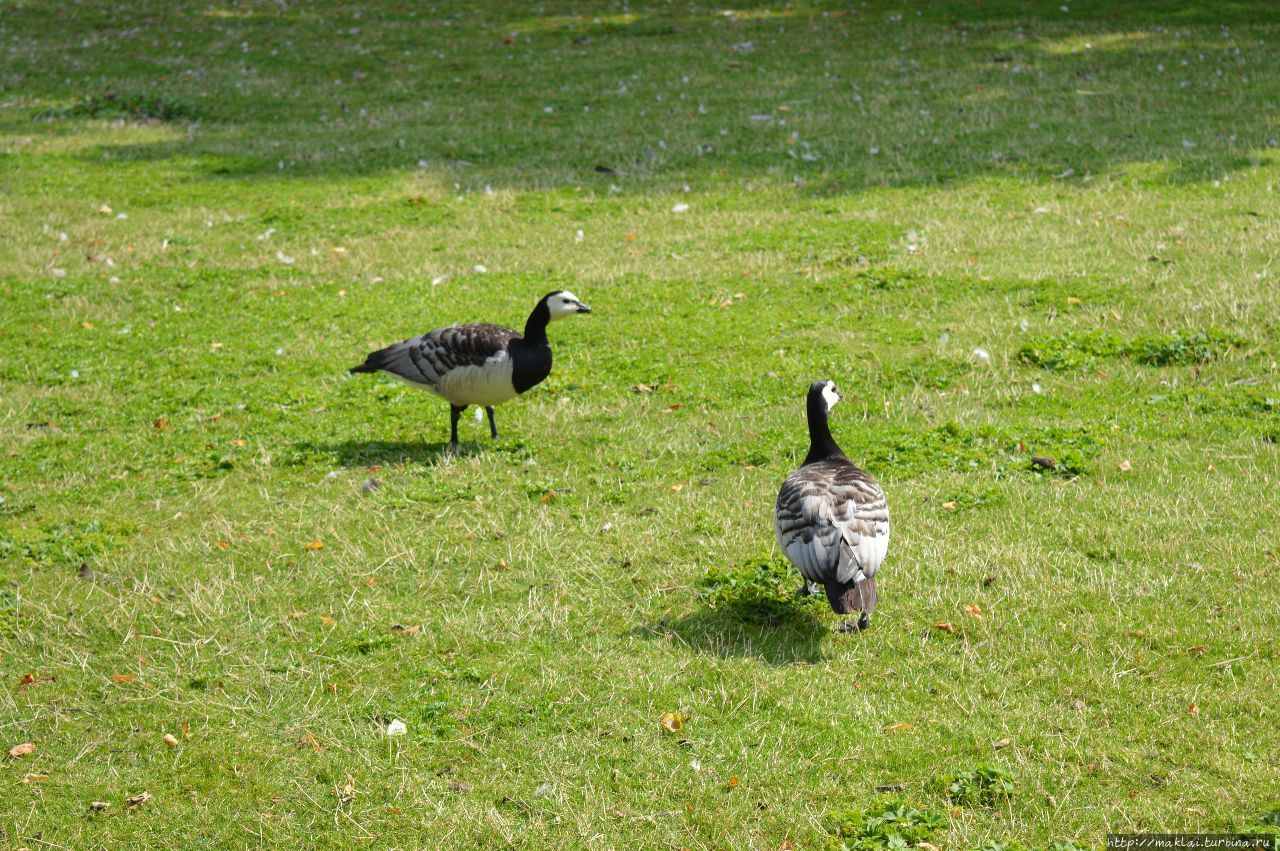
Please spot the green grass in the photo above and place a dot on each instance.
(1003, 232)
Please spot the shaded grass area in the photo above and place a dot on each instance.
(1006, 232)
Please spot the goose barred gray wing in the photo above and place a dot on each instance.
(428, 358)
(832, 521)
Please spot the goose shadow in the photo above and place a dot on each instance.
(369, 453)
(784, 634)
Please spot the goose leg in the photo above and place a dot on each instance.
(493, 427)
(455, 411)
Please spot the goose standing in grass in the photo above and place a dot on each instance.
(832, 520)
(477, 364)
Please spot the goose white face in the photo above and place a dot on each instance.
(565, 303)
(830, 395)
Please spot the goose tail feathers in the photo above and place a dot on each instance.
(856, 596)
(379, 360)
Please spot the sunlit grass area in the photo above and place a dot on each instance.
(1005, 232)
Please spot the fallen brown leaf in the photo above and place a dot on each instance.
(308, 741)
(671, 721)
(313, 545)
(28, 678)
(1194, 710)
(951, 506)
(135, 801)
(124, 678)
(1004, 743)
(348, 793)
(407, 630)
(898, 728)
(1125, 466)
(99, 806)
(327, 621)
(946, 627)
(973, 610)
(24, 749)
(35, 777)
(170, 739)
(161, 424)
(1197, 650)
(734, 782)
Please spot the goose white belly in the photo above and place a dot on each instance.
(487, 384)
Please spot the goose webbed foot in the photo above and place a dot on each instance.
(808, 589)
(863, 621)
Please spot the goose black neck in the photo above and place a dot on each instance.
(821, 444)
(535, 328)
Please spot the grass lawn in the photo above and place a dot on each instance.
(1004, 232)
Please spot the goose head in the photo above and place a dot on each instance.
(824, 393)
(562, 303)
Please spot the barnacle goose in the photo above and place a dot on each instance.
(477, 364)
(832, 520)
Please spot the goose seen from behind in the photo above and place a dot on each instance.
(477, 364)
(832, 520)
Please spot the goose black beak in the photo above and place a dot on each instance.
(582, 308)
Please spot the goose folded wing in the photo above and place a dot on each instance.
(862, 516)
(805, 532)
(426, 359)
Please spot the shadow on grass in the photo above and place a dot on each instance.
(750, 609)
(999, 88)
(726, 632)
(369, 453)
